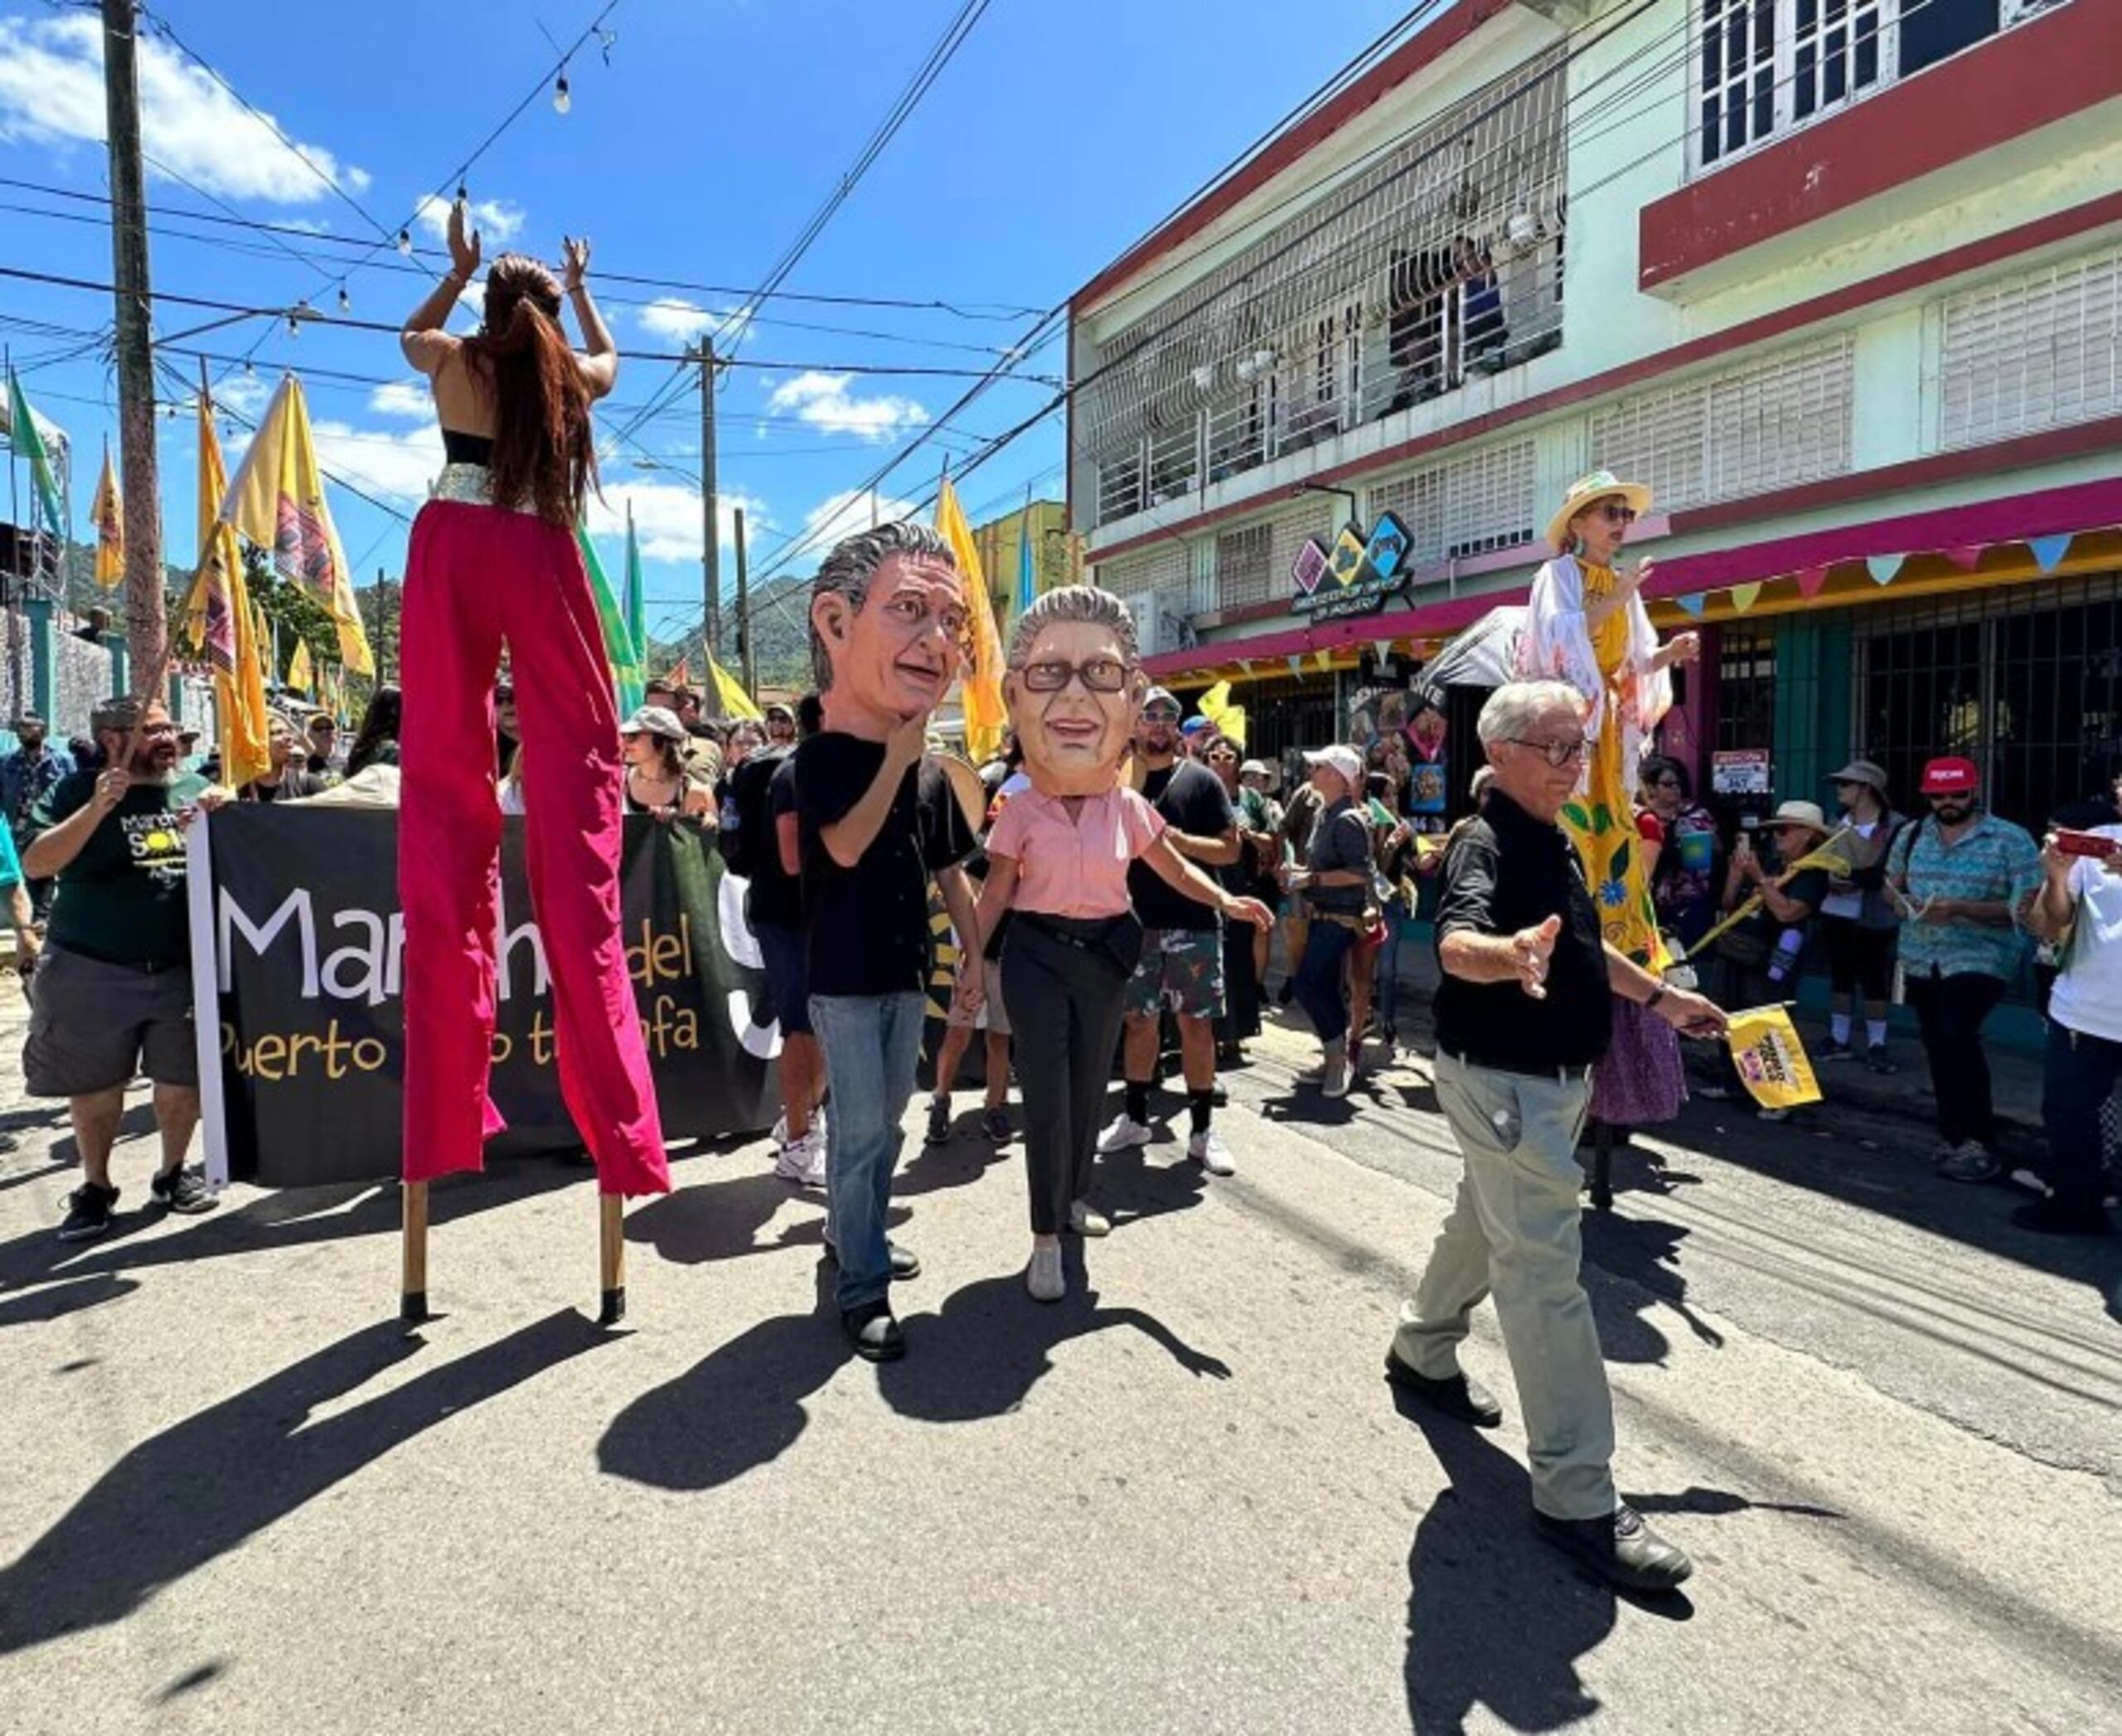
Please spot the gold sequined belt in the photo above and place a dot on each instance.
(470, 485)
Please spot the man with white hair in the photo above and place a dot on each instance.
(1523, 1010)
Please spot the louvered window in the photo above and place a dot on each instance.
(1134, 576)
(1418, 502)
(1487, 500)
(1242, 565)
(2041, 349)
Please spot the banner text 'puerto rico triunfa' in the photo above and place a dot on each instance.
(277, 500)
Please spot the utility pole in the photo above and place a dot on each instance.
(744, 609)
(147, 618)
(711, 553)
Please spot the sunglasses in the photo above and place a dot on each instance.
(1557, 754)
(1158, 715)
(1098, 675)
(1614, 513)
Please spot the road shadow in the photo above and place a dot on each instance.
(1496, 1618)
(69, 1297)
(1644, 1254)
(721, 1219)
(981, 1353)
(188, 1496)
(1127, 1187)
(739, 1406)
(959, 1162)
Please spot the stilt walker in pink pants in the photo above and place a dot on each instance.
(494, 562)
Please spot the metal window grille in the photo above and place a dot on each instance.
(1418, 500)
(2041, 349)
(1771, 424)
(1487, 500)
(1134, 576)
(1746, 687)
(1242, 572)
(1437, 260)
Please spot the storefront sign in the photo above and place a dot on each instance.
(1739, 771)
(298, 967)
(1358, 575)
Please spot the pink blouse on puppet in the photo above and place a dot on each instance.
(1076, 867)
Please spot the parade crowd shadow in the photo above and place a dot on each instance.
(206, 1485)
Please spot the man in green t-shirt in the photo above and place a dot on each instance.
(112, 996)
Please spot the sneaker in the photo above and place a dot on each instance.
(1880, 1062)
(1971, 1160)
(1835, 1050)
(939, 1121)
(803, 1160)
(183, 1191)
(88, 1212)
(995, 1123)
(1043, 1276)
(1085, 1219)
(1620, 1548)
(1333, 1082)
(1207, 1148)
(1121, 1134)
(872, 1333)
(1219, 1094)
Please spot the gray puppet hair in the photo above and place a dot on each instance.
(854, 563)
(1070, 603)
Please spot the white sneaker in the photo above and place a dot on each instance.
(1044, 1278)
(1085, 1219)
(1207, 1148)
(803, 1161)
(1122, 1134)
(1334, 1081)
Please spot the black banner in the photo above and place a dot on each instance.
(307, 946)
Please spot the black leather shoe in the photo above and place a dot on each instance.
(1461, 1398)
(1620, 1548)
(872, 1333)
(905, 1262)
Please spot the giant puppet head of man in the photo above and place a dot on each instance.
(888, 628)
(1073, 684)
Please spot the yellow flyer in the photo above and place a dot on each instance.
(1771, 1060)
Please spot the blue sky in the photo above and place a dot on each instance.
(1056, 136)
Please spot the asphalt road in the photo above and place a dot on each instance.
(240, 1498)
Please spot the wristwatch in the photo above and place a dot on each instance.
(1657, 995)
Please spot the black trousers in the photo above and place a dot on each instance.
(1062, 983)
(1949, 1012)
(1241, 1019)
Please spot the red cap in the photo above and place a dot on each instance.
(1951, 777)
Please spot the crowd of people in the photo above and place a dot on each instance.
(1112, 882)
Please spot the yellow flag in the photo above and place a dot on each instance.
(1772, 1060)
(981, 693)
(731, 695)
(300, 676)
(219, 620)
(1227, 720)
(110, 517)
(277, 500)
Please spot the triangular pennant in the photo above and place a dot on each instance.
(1296, 660)
(1967, 556)
(1810, 580)
(2048, 550)
(1383, 647)
(1883, 568)
(1744, 597)
(1245, 667)
(1323, 657)
(1693, 603)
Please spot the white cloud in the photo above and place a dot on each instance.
(666, 518)
(824, 401)
(842, 515)
(245, 394)
(406, 398)
(684, 322)
(399, 466)
(495, 220)
(51, 93)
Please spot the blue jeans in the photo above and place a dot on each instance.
(1319, 978)
(2077, 1080)
(872, 1044)
(1386, 996)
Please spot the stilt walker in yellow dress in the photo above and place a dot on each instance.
(1588, 626)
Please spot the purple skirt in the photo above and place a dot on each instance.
(1640, 1081)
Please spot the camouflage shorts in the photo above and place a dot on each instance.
(1181, 969)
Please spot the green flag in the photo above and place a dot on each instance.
(23, 435)
(618, 643)
(636, 604)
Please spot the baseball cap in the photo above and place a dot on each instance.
(1161, 696)
(1950, 776)
(657, 720)
(1345, 760)
(1862, 771)
(1254, 769)
(1194, 726)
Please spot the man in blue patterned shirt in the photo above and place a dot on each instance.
(1963, 879)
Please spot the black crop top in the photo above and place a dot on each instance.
(460, 447)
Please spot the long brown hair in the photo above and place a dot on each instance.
(543, 450)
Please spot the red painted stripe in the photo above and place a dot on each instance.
(2061, 225)
(2039, 72)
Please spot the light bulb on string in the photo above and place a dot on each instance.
(562, 102)
(405, 242)
(345, 301)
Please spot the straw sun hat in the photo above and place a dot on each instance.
(1600, 485)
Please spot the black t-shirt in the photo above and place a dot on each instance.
(1506, 872)
(1191, 797)
(869, 924)
(775, 897)
(122, 899)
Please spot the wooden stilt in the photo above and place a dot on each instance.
(1602, 1168)
(611, 1258)
(412, 1287)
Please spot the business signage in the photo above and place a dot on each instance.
(1358, 574)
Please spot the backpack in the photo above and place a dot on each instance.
(751, 848)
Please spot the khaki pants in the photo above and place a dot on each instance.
(1514, 1229)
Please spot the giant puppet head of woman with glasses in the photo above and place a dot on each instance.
(1073, 684)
